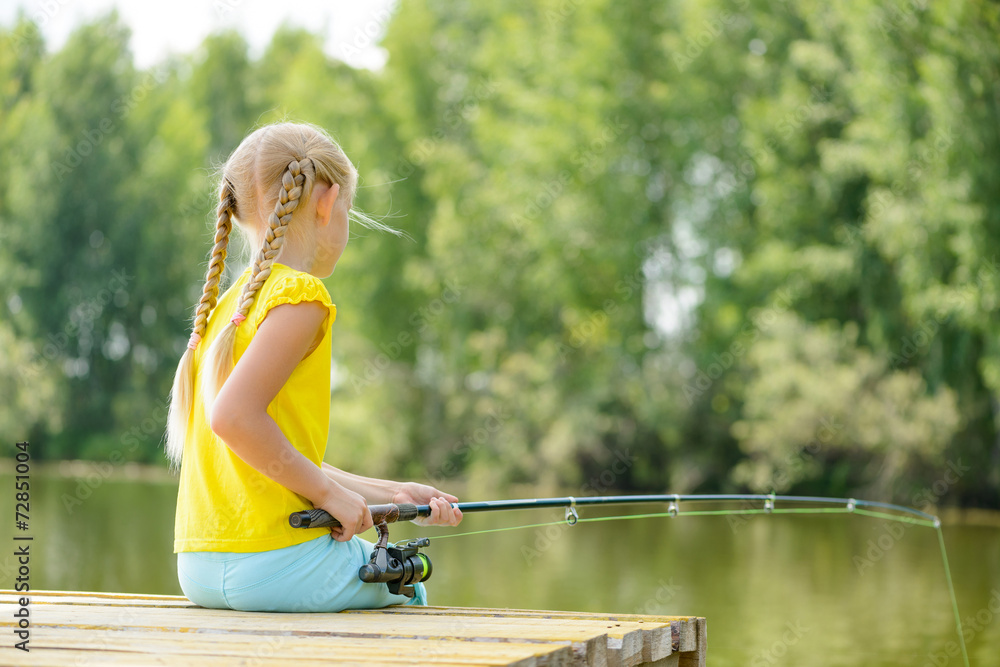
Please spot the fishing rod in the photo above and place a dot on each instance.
(402, 565)
(405, 512)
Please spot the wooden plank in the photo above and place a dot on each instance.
(102, 599)
(656, 641)
(287, 648)
(627, 642)
(685, 640)
(198, 618)
(443, 635)
(589, 643)
(685, 623)
(624, 648)
(687, 635)
(380, 651)
(105, 598)
(697, 658)
(60, 658)
(599, 616)
(120, 599)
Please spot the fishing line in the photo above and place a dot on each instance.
(850, 508)
(402, 564)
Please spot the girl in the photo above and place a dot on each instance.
(250, 406)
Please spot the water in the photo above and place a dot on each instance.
(777, 590)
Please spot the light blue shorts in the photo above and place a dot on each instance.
(319, 575)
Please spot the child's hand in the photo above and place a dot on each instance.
(350, 509)
(442, 513)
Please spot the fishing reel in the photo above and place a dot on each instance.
(400, 565)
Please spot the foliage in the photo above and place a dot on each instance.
(841, 408)
(702, 245)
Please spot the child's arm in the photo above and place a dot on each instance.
(379, 491)
(375, 491)
(239, 416)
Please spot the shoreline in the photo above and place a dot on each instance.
(146, 472)
(78, 468)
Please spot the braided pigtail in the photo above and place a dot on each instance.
(182, 393)
(296, 183)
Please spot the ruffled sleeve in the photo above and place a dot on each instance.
(294, 287)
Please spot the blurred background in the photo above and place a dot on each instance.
(688, 246)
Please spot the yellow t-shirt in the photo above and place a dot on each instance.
(223, 504)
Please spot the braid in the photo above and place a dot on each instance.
(292, 182)
(182, 394)
(219, 362)
(210, 294)
(283, 160)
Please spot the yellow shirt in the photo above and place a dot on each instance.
(223, 504)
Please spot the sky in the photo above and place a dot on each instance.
(351, 28)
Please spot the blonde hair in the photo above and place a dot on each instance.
(274, 168)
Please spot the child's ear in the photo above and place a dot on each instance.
(325, 202)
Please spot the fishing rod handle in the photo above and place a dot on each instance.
(389, 513)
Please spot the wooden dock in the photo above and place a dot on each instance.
(70, 628)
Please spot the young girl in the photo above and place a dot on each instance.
(250, 405)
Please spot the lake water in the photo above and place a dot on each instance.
(777, 590)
